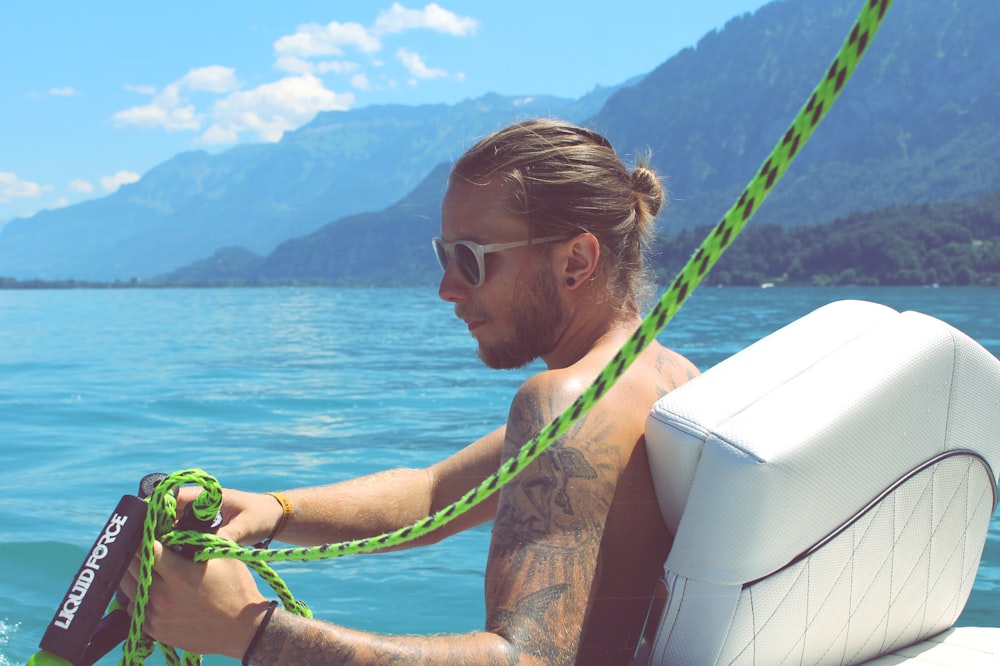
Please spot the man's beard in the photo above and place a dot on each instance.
(538, 319)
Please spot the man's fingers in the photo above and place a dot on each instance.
(130, 579)
(226, 532)
(185, 496)
(162, 559)
(129, 584)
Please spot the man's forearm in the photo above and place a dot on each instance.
(290, 640)
(358, 508)
(390, 500)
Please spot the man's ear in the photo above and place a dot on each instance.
(580, 256)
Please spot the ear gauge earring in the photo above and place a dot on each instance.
(570, 281)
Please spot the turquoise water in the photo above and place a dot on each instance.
(274, 388)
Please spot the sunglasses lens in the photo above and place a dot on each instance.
(465, 257)
(441, 253)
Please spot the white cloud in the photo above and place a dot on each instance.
(112, 183)
(361, 82)
(271, 109)
(171, 108)
(68, 91)
(296, 53)
(313, 39)
(296, 65)
(168, 109)
(267, 110)
(217, 135)
(334, 38)
(12, 187)
(433, 16)
(415, 65)
(80, 185)
(61, 202)
(214, 78)
(337, 66)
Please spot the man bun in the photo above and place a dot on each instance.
(650, 197)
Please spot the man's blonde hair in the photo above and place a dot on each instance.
(567, 179)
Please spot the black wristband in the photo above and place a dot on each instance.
(260, 630)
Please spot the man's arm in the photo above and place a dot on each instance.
(542, 565)
(544, 556)
(214, 607)
(370, 505)
(291, 640)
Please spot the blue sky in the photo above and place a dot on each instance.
(96, 94)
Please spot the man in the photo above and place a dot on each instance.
(542, 234)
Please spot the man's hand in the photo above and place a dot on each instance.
(247, 518)
(211, 607)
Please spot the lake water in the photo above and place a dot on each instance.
(275, 388)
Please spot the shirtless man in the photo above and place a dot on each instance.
(542, 234)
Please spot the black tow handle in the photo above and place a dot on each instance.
(79, 631)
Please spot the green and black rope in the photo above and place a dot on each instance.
(163, 507)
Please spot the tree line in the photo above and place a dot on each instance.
(953, 243)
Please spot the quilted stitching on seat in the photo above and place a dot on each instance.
(898, 573)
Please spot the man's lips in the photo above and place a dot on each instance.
(473, 321)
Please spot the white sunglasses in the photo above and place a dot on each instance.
(468, 256)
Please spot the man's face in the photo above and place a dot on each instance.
(517, 314)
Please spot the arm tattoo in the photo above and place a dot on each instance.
(297, 641)
(538, 502)
(544, 489)
(282, 644)
(547, 532)
(525, 624)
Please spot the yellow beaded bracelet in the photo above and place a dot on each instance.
(286, 513)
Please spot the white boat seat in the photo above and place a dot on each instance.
(959, 646)
(830, 489)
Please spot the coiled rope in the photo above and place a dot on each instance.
(160, 518)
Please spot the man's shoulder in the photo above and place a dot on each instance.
(550, 392)
(620, 412)
(561, 380)
(541, 398)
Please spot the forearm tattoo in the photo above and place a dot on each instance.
(294, 643)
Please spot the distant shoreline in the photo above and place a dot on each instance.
(12, 284)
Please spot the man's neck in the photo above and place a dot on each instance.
(591, 332)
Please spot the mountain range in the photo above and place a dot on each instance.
(256, 196)
(353, 197)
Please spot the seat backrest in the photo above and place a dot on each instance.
(830, 488)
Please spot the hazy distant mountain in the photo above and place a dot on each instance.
(391, 247)
(918, 123)
(256, 196)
